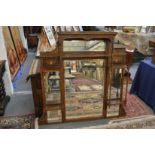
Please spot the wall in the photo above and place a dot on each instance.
(3, 56)
(24, 40)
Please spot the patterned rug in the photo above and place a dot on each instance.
(136, 107)
(18, 122)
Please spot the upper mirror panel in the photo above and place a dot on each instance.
(83, 45)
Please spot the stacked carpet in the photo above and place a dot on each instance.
(141, 122)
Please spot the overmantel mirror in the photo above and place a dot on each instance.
(79, 86)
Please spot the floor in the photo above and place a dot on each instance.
(75, 125)
(22, 101)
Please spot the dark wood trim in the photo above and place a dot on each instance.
(87, 35)
(84, 119)
(84, 55)
(13, 43)
(62, 81)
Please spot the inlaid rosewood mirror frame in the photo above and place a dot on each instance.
(58, 57)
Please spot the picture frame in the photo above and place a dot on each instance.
(50, 35)
(21, 51)
(13, 60)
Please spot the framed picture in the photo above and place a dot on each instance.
(50, 35)
(21, 52)
(11, 52)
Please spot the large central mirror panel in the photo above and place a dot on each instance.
(84, 88)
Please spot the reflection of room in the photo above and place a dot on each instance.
(86, 82)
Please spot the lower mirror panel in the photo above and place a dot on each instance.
(82, 104)
(113, 108)
(54, 116)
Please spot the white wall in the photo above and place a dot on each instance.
(24, 40)
(3, 56)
